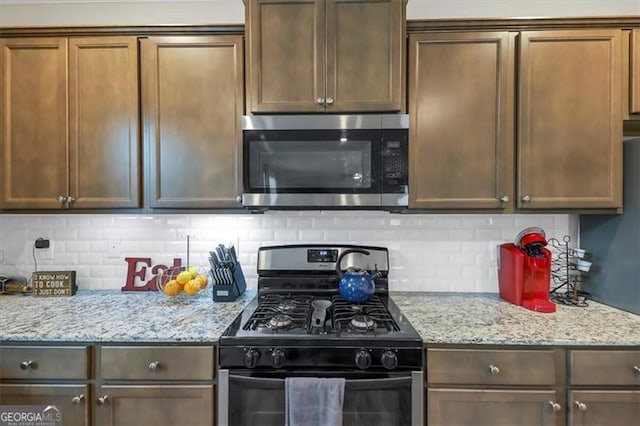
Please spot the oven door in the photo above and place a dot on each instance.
(384, 399)
(312, 167)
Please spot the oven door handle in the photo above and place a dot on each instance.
(262, 382)
(350, 385)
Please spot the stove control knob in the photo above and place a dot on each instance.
(277, 358)
(389, 360)
(251, 357)
(363, 359)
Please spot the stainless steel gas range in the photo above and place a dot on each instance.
(285, 332)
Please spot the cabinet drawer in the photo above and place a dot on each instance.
(604, 367)
(44, 362)
(491, 367)
(157, 363)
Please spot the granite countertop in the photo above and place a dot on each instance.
(115, 316)
(465, 318)
(444, 318)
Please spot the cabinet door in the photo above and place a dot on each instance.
(365, 55)
(570, 119)
(483, 407)
(70, 400)
(286, 55)
(103, 106)
(634, 82)
(33, 122)
(596, 408)
(192, 112)
(460, 107)
(154, 405)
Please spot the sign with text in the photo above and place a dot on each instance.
(137, 268)
(30, 415)
(54, 283)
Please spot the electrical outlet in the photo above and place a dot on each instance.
(113, 248)
(45, 253)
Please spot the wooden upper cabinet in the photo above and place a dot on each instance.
(86, 85)
(570, 119)
(634, 74)
(461, 115)
(192, 111)
(325, 55)
(33, 90)
(103, 104)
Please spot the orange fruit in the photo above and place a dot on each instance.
(192, 287)
(172, 288)
(203, 280)
(193, 271)
(183, 277)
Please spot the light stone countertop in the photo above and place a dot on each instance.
(115, 316)
(472, 318)
(443, 318)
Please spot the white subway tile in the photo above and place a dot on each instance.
(77, 246)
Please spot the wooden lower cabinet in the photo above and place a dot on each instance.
(69, 399)
(604, 407)
(510, 386)
(604, 387)
(478, 407)
(154, 405)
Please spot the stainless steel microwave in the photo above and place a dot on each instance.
(325, 161)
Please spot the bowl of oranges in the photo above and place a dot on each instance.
(182, 283)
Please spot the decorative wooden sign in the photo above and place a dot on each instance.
(134, 272)
(54, 283)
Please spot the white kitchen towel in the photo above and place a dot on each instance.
(311, 401)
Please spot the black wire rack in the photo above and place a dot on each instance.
(569, 270)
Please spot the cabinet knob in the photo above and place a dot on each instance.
(555, 406)
(329, 101)
(504, 199)
(239, 199)
(581, 405)
(103, 400)
(77, 399)
(27, 364)
(70, 200)
(320, 101)
(494, 370)
(154, 366)
(62, 199)
(526, 199)
(636, 369)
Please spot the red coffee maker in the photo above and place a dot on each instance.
(524, 271)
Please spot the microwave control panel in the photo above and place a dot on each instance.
(394, 161)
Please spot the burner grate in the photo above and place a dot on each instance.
(278, 312)
(367, 317)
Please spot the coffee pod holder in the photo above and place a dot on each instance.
(228, 283)
(569, 271)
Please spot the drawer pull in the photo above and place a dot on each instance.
(77, 399)
(555, 406)
(494, 370)
(636, 369)
(27, 364)
(581, 405)
(103, 400)
(154, 366)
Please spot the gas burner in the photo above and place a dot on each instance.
(287, 305)
(279, 322)
(362, 323)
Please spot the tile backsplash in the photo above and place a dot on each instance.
(428, 252)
